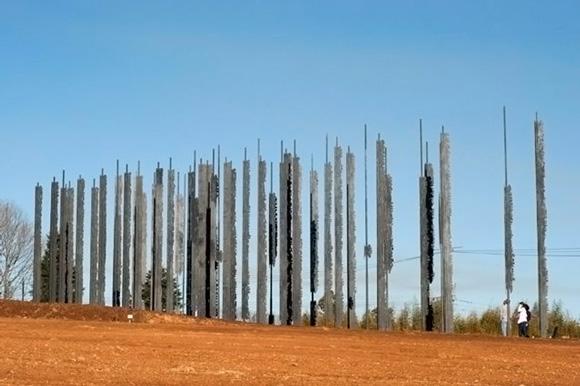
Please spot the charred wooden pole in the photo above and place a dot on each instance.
(70, 257)
(338, 236)
(508, 221)
(117, 239)
(542, 220)
(80, 240)
(445, 235)
(127, 207)
(37, 271)
(157, 240)
(283, 235)
(180, 235)
(314, 226)
(230, 243)
(328, 261)
(245, 238)
(262, 262)
(218, 256)
(368, 248)
(102, 237)
(272, 239)
(289, 242)
(53, 243)
(94, 270)
(62, 244)
(296, 235)
(170, 238)
(350, 238)
(191, 259)
(140, 235)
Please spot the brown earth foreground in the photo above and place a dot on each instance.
(69, 344)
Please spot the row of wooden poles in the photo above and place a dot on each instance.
(201, 240)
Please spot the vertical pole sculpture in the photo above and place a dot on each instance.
(230, 243)
(127, 206)
(156, 295)
(289, 242)
(117, 239)
(383, 315)
(245, 239)
(351, 237)
(37, 282)
(199, 229)
(262, 262)
(62, 243)
(94, 274)
(70, 257)
(190, 303)
(53, 243)
(338, 234)
(216, 232)
(426, 241)
(508, 221)
(328, 272)
(170, 238)
(296, 235)
(283, 235)
(272, 239)
(102, 237)
(542, 219)
(180, 234)
(445, 235)
(313, 243)
(139, 248)
(80, 240)
(368, 248)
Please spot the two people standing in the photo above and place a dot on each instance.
(522, 315)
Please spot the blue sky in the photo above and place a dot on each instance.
(84, 84)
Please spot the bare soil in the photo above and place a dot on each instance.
(71, 344)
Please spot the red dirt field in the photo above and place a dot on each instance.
(70, 344)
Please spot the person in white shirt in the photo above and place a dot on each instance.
(522, 314)
(504, 317)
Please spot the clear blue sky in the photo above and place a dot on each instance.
(85, 83)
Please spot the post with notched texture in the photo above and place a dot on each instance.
(53, 246)
(445, 235)
(296, 236)
(351, 238)
(328, 261)
(102, 237)
(338, 237)
(272, 239)
(170, 238)
(139, 249)
(62, 244)
(117, 239)
(245, 239)
(70, 241)
(262, 262)
(542, 222)
(94, 270)
(157, 241)
(289, 243)
(230, 243)
(37, 273)
(313, 244)
(508, 234)
(80, 241)
(126, 272)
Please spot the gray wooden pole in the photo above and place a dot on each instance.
(262, 262)
(230, 243)
(289, 263)
(368, 248)
(351, 237)
(37, 271)
(272, 239)
(296, 236)
(117, 239)
(328, 260)
(102, 237)
(314, 231)
(127, 239)
(283, 182)
(245, 238)
(170, 237)
(80, 241)
(445, 235)
(53, 243)
(542, 219)
(508, 221)
(139, 248)
(157, 250)
(94, 270)
(382, 300)
(62, 243)
(70, 257)
(338, 236)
